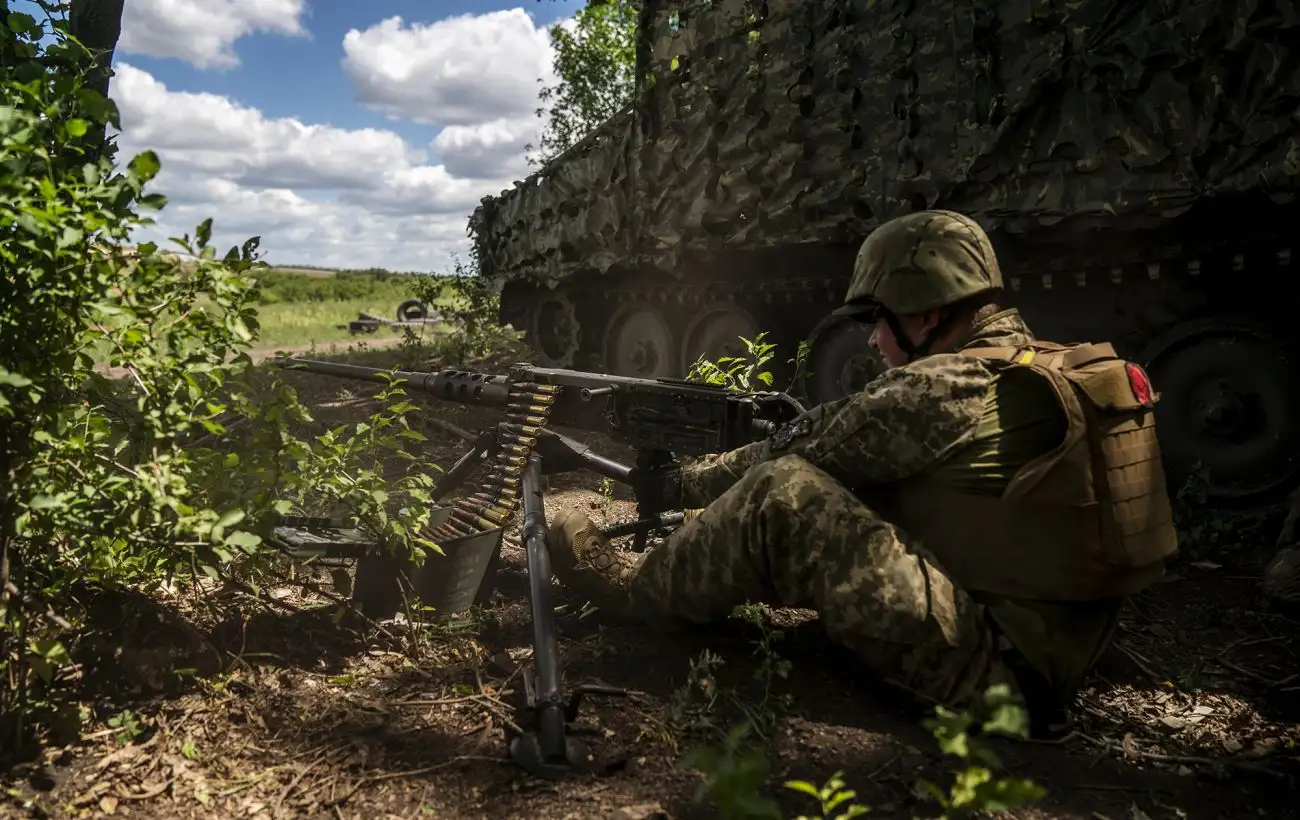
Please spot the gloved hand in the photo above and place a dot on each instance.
(777, 407)
(658, 487)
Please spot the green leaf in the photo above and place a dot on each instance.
(20, 23)
(243, 540)
(1008, 719)
(8, 377)
(145, 166)
(72, 235)
(230, 518)
(805, 787)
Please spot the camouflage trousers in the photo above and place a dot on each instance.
(787, 534)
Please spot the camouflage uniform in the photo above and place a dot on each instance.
(788, 520)
(783, 527)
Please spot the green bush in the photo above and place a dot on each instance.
(386, 289)
(105, 485)
(96, 489)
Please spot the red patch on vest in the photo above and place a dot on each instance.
(1139, 384)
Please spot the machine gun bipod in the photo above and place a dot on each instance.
(545, 746)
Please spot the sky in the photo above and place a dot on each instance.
(347, 133)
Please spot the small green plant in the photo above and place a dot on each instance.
(127, 725)
(736, 771)
(607, 494)
(735, 774)
(764, 715)
(829, 797)
(348, 468)
(975, 789)
(691, 709)
(742, 373)
(1204, 532)
(472, 305)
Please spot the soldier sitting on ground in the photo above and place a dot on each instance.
(976, 515)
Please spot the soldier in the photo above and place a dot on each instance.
(976, 515)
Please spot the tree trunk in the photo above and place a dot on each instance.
(97, 24)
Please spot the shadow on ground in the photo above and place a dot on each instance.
(320, 718)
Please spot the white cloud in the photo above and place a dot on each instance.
(487, 149)
(315, 193)
(320, 194)
(461, 70)
(203, 32)
(477, 76)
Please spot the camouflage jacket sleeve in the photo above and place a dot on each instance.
(903, 423)
(711, 476)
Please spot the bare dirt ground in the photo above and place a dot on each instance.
(1192, 715)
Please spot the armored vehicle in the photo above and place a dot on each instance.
(1135, 162)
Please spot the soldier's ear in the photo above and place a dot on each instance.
(929, 321)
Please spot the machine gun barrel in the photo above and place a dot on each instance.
(462, 386)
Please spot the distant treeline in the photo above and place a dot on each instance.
(378, 284)
(292, 267)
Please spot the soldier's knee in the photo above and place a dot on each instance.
(788, 468)
(791, 482)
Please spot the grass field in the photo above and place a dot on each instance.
(301, 307)
(292, 324)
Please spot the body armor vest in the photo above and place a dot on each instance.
(1089, 520)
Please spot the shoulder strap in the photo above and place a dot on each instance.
(1046, 354)
(1000, 354)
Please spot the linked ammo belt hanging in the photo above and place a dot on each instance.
(527, 409)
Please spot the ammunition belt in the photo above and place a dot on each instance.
(500, 491)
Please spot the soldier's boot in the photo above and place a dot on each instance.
(1282, 578)
(586, 562)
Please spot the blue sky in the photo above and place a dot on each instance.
(346, 133)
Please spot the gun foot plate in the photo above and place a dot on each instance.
(526, 750)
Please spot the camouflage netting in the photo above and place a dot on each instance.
(578, 207)
(769, 123)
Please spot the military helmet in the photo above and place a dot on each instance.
(919, 262)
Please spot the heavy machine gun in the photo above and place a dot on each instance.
(662, 419)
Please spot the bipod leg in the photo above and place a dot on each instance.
(662, 522)
(465, 465)
(545, 748)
